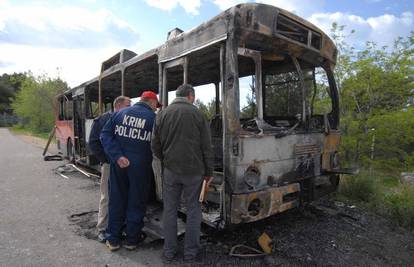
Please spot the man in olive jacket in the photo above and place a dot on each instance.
(181, 140)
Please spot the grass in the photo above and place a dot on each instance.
(18, 129)
(382, 193)
(399, 205)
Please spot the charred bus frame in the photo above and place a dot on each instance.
(265, 164)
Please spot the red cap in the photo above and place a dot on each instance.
(151, 95)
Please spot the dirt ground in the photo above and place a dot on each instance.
(324, 233)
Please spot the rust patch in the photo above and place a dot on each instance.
(330, 146)
(262, 204)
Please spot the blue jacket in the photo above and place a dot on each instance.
(94, 144)
(128, 133)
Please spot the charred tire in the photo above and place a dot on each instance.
(334, 179)
(70, 152)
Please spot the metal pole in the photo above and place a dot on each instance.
(217, 98)
(122, 82)
(100, 102)
(302, 84)
(160, 82)
(258, 87)
(164, 87)
(185, 67)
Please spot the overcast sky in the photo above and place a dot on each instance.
(72, 38)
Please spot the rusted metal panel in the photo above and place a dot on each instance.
(174, 63)
(258, 205)
(277, 160)
(306, 149)
(210, 32)
(231, 109)
(330, 150)
(263, 19)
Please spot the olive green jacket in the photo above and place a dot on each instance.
(181, 139)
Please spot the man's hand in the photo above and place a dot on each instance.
(123, 162)
(208, 179)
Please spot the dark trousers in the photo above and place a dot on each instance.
(173, 186)
(128, 195)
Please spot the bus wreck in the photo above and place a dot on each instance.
(280, 154)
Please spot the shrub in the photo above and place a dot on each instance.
(361, 187)
(399, 205)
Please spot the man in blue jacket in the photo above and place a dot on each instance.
(96, 148)
(126, 139)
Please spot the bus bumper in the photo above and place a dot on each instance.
(258, 205)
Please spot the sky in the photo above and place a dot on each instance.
(70, 39)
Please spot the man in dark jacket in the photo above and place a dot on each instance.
(126, 139)
(181, 140)
(96, 148)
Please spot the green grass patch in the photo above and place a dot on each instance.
(399, 205)
(361, 187)
(382, 193)
(390, 181)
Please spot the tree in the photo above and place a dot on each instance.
(34, 101)
(208, 109)
(376, 92)
(9, 86)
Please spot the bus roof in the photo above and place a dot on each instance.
(260, 27)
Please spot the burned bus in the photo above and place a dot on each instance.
(271, 155)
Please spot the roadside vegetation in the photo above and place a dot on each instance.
(383, 194)
(19, 129)
(376, 86)
(27, 102)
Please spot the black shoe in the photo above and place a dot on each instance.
(141, 237)
(169, 259)
(123, 235)
(112, 247)
(192, 258)
(101, 236)
(130, 247)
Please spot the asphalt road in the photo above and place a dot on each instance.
(35, 209)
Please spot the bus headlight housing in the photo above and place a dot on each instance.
(252, 177)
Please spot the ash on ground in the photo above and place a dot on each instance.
(324, 233)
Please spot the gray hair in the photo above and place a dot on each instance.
(120, 100)
(185, 90)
